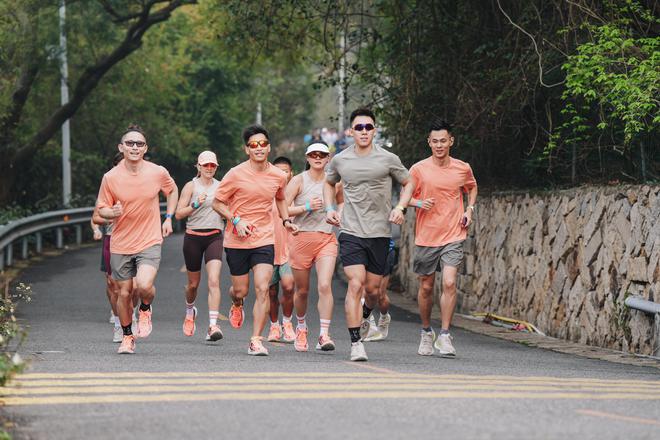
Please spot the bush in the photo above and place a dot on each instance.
(12, 334)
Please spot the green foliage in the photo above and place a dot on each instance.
(12, 334)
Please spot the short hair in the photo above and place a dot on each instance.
(441, 124)
(283, 159)
(252, 130)
(362, 111)
(118, 158)
(134, 128)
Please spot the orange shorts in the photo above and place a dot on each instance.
(307, 247)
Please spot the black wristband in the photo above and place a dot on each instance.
(286, 220)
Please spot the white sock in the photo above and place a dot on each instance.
(213, 318)
(286, 319)
(302, 325)
(190, 309)
(274, 323)
(117, 323)
(325, 326)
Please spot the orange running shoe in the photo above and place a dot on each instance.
(127, 345)
(236, 316)
(288, 334)
(275, 333)
(325, 343)
(256, 347)
(301, 340)
(189, 323)
(144, 323)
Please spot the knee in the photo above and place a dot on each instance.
(325, 288)
(449, 286)
(239, 293)
(355, 286)
(261, 289)
(214, 283)
(426, 289)
(193, 284)
(302, 293)
(125, 294)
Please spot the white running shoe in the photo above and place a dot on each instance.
(358, 352)
(117, 334)
(364, 327)
(373, 334)
(384, 324)
(444, 345)
(426, 343)
(112, 317)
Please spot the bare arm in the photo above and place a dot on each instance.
(283, 209)
(172, 198)
(396, 216)
(292, 191)
(183, 208)
(330, 200)
(472, 199)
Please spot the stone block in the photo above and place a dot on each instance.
(637, 269)
(592, 248)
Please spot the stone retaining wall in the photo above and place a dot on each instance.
(564, 261)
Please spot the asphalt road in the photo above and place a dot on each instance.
(177, 387)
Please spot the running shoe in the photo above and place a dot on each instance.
(358, 352)
(117, 334)
(288, 334)
(426, 343)
(301, 340)
(275, 333)
(384, 324)
(144, 323)
(444, 345)
(236, 316)
(189, 326)
(214, 333)
(256, 347)
(364, 327)
(325, 343)
(127, 345)
(373, 334)
(112, 317)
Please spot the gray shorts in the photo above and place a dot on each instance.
(432, 259)
(279, 271)
(124, 267)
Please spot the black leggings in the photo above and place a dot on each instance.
(196, 246)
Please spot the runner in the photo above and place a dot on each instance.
(315, 245)
(282, 275)
(378, 332)
(245, 198)
(441, 228)
(366, 171)
(203, 238)
(129, 197)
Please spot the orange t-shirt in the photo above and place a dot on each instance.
(250, 195)
(139, 225)
(440, 225)
(281, 238)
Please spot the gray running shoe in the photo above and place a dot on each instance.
(358, 352)
(117, 335)
(384, 324)
(444, 345)
(426, 343)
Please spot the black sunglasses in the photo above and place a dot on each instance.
(138, 144)
(360, 127)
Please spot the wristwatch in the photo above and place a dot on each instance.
(470, 207)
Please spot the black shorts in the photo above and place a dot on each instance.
(240, 261)
(197, 246)
(369, 252)
(105, 255)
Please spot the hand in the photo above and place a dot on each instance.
(466, 220)
(98, 234)
(396, 216)
(427, 204)
(332, 217)
(117, 210)
(201, 199)
(244, 228)
(293, 228)
(316, 203)
(167, 227)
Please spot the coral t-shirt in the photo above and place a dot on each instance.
(250, 194)
(139, 225)
(281, 238)
(440, 225)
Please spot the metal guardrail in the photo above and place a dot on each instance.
(22, 229)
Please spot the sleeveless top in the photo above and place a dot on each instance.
(311, 221)
(204, 217)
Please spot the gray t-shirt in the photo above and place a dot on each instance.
(367, 189)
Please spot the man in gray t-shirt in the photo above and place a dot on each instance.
(366, 172)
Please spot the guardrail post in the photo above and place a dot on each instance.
(10, 254)
(78, 235)
(59, 238)
(24, 248)
(39, 244)
(2, 259)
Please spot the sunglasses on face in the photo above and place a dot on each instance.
(360, 127)
(317, 155)
(209, 165)
(138, 144)
(256, 144)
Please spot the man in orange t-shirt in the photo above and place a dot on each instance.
(245, 198)
(441, 227)
(129, 196)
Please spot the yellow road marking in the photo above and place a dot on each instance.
(588, 412)
(371, 367)
(15, 401)
(322, 387)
